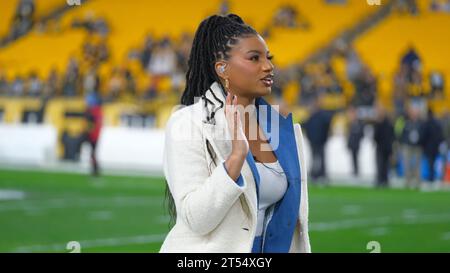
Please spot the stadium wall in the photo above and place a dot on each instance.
(136, 149)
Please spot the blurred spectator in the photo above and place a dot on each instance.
(51, 87)
(446, 146)
(436, 83)
(95, 51)
(288, 16)
(23, 19)
(431, 138)
(384, 139)
(34, 85)
(407, 6)
(307, 86)
(70, 85)
(17, 87)
(90, 81)
(446, 127)
(353, 65)
(3, 85)
(316, 79)
(366, 88)
(400, 90)
(183, 50)
(115, 84)
(317, 130)
(163, 60)
(72, 145)
(130, 82)
(224, 8)
(102, 51)
(440, 5)
(92, 24)
(355, 134)
(412, 62)
(151, 91)
(147, 51)
(331, 81)
(410, 147)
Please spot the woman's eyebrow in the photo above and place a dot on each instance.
(257, 51)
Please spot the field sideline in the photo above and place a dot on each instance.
(43, 211)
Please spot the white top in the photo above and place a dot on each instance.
(272, 187)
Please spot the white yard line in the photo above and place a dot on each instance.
(446, 236)
(11, 194)
(84, 244)
(379, 221)
(63, 203)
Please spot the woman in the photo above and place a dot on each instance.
(233, 190)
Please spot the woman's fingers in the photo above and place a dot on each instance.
(227, 102)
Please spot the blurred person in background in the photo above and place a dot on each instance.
(317, 130)
(17, 87)
(238, 194)
(116, 84)
(432, 136)
(224, 7)
(355, 133)
(3, 85)
(71, 78)
(94, 120)
(34, 85)
(384, 139)
(437, 84)
(52, 84)
(446, 148)
(411, 149)
(23, 19)
(365, 85)
(163, 58)
(147, 51)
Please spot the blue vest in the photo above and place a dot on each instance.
(280, 229)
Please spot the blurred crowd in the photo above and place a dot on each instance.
(411, 141)
(404, 135)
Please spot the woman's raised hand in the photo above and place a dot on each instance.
(239, 145)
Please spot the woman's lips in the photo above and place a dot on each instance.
(267, 82)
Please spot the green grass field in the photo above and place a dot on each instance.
(43, 211)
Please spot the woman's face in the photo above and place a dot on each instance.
(249, 68)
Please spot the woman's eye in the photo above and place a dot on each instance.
(270, 57)
(254, 58)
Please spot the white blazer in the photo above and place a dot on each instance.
(214, 214)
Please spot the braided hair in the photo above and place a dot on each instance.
(213, 40)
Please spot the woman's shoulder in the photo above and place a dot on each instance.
(183, 117)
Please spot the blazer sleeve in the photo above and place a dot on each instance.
(202, 198)
(304, 204)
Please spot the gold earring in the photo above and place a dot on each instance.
(227, 84)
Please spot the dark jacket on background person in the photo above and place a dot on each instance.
(384, 136)
(431, 136)
(356, 133)
(411, 132)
